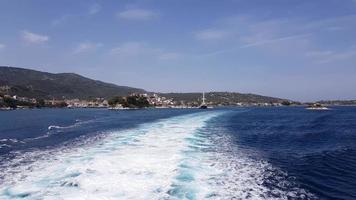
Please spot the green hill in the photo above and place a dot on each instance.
(36, 84)
(225, 98)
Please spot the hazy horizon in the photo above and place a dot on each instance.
(299, 50)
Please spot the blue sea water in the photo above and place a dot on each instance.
(229, 153)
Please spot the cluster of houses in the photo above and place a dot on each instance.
(154, 100)
(158, 101)
(26, 102)
(25, 99)
(95, 103)
(22, 99)
(8, 102)
(259, 104)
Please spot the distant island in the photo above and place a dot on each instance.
(338, 102)
(26, 88)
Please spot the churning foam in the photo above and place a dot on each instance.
(169, 159)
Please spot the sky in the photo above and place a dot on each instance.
(303, 50)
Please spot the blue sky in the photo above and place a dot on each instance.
(298, 49)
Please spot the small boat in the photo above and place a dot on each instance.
(203, 105)
(317, 106)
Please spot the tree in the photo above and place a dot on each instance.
(116, 100)
(133, 101)
(10, 102)
(286, 103)
(62, 104)
(40, 103)
(142, 102)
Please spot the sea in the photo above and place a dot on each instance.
(221, 153)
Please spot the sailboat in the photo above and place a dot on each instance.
(203, 105)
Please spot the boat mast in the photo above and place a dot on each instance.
(203, 98)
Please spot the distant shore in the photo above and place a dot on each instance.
(149, 108)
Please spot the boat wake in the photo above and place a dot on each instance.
(174, 158)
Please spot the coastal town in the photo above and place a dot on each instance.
(22, 88)
(145, 100)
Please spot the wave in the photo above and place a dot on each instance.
(174, 158)
(12, 140)
(56, 129)
(9, 142)
(78, 122)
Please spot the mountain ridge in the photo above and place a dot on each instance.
(37, 84)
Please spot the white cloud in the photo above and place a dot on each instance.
(86, 47)
(322, 57)
(319, 53)
(132, 49)
(169, 56)
(261, 42)
(211, 34)
(274, 31)
(92, 10)
(135, 49)
(137, 14)
(2, 46)
(34, 38)
(335, 28)
(257, 43)
(273, 35)
(61, 19)
(95, 8)
(331, 24)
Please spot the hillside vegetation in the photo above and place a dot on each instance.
(226, 98)
(36, 84)
(44, 85)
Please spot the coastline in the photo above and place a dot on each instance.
(172, 107)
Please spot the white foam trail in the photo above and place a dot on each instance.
(135, 164)
(217, 169)
(170, 159)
